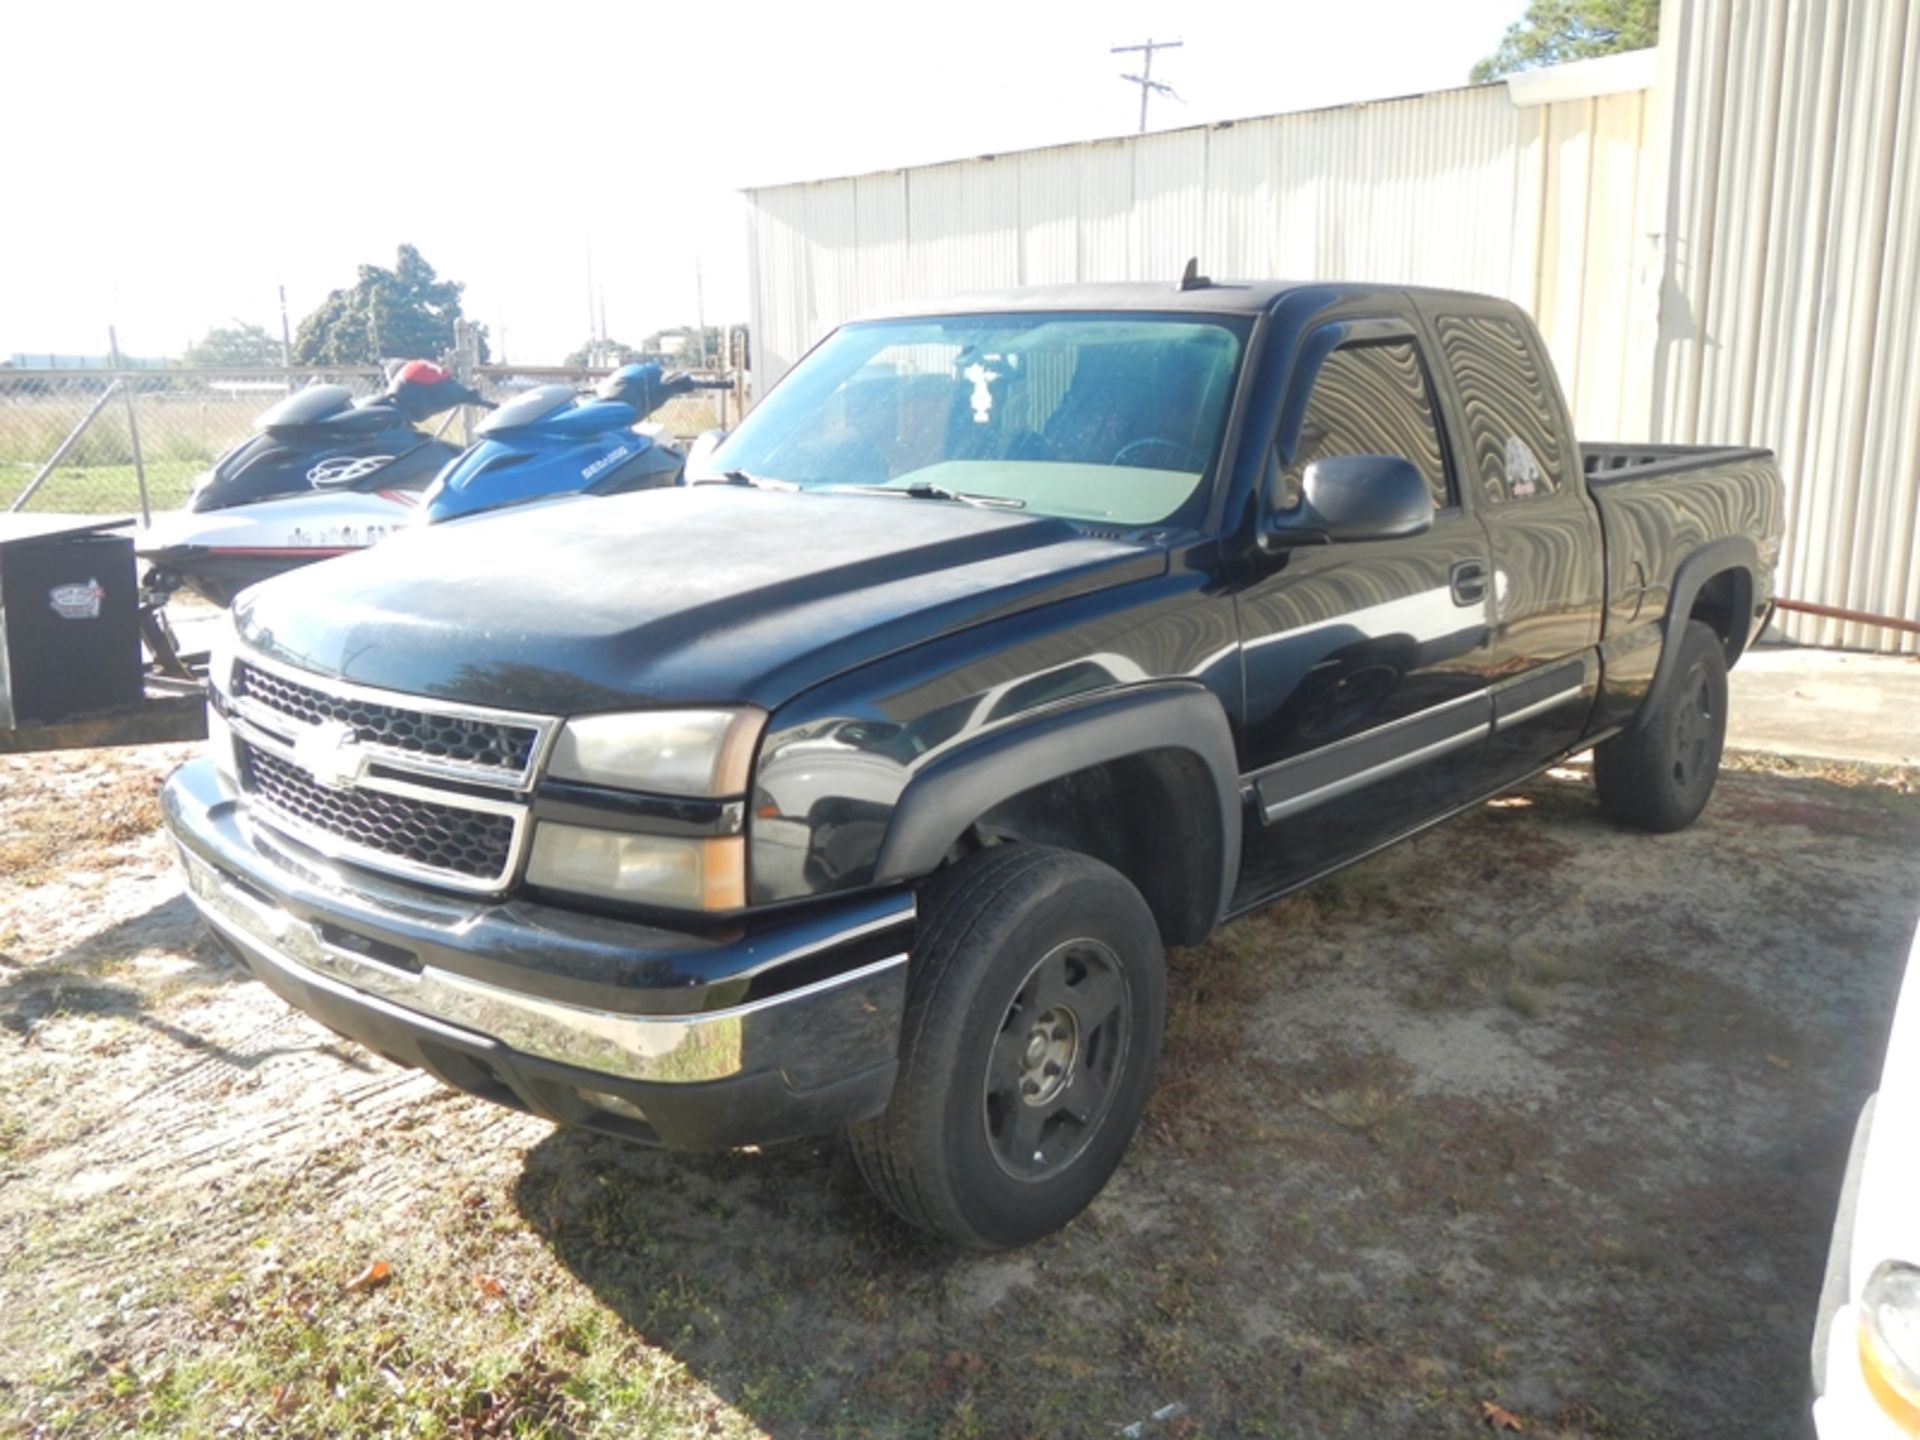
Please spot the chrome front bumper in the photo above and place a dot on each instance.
(780, 1018)
(711, 1045)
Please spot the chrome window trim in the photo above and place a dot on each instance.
(545, 727)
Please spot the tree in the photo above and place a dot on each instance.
(611, 353)
(689, 343)
(227, 347)
(1553, 31)
(406, 313)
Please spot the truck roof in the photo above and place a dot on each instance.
(1216, 297)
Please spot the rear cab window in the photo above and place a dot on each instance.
(1513, 448)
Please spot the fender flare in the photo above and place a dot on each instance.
(1732, 552)
(953, 791)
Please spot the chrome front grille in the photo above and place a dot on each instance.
(426, 789)
(425, 835)
(460, 743)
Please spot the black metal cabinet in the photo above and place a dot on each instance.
(69, 618)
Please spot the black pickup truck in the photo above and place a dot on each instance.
(859, 783)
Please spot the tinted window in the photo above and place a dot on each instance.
(1371, 399)
(1513, 440)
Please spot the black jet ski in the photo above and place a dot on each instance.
(324, 474)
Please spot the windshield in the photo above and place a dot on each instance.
(1107, 418)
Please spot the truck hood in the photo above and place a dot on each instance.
(703, 595)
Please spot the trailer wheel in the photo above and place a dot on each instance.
(1034, 1011)
(1658, 776)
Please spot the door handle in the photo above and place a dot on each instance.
(1469, 582)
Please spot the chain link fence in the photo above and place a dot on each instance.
(117, 442)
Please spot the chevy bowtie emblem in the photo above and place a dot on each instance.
(331, 753)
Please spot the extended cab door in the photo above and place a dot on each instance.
(1365, 662)
(1517, 456)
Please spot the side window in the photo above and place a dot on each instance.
(1371, 398)
(1513, 441)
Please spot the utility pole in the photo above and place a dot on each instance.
(700, 311)
(1148, 85)
(593, 338)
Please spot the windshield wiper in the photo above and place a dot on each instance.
(927, 490)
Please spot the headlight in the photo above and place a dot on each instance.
(671, 870)
(667, 752)
(1890, 1340)
(689, 753)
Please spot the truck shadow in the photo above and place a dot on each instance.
(98, 977)
(732, 1262)
(1401, 1148)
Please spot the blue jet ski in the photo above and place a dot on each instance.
(553, 441)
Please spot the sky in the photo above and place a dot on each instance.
(171, 166)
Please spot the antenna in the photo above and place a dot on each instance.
(1191, 278)
(1148, 85)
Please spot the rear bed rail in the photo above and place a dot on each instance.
(1604, 462)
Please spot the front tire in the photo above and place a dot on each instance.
(1658, 776)
(1033, 1022)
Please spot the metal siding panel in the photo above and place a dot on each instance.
(1563, 240)
(1169, 203)
(1794, 242)
(963, 227)
(1242, 214)
(1527, 227)
(1106, 210)
(831, 235)
(1597, 388)
(1883, 560)
(1049, 218)
(880, 221)
(780, 318)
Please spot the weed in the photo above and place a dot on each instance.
(1472, 972)
(1380, 1113)
(1523, 999)
(104, 812)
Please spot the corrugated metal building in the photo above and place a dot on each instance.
(1791, 279)
(1720, 240)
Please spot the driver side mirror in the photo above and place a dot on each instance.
(1349, 497)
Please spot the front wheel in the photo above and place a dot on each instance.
(1034, 1013)
(1658, 776)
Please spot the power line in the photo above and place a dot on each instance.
(1148, 85)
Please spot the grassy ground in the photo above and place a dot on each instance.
(180, 436)
(100, 489)
(1529, 1112)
